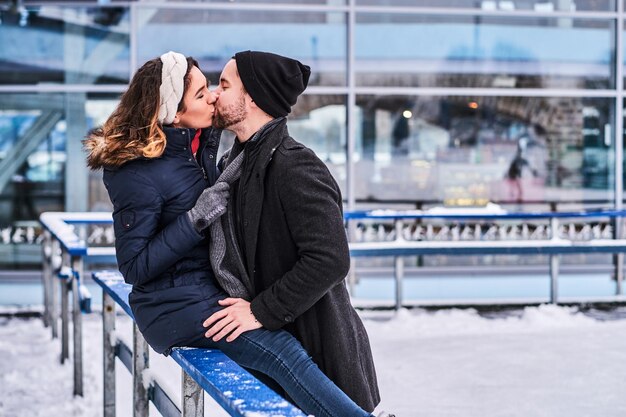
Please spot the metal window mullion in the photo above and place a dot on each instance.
(619, 141)
(245, 7)
(619, 106)
(132, 40)
(64, 88)
(457, 11)
(327, 90)
(351, 105)
(492, 92)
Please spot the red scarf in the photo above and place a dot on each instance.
(195, 143)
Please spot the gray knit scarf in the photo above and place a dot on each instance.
(226, 258)
(224, 252)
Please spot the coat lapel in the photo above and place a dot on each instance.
(253, 187)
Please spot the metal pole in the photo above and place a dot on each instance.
(54, 296)
(399, 266)
(554, 276)
(618, 260)
(77, 268)
(141, 362)
(193, 397)
(108, 327)
(64, 320)
(619, 141)
(46, 274)
(351, 106)
(554, 263)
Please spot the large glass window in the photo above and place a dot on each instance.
(64, 45)
(483, 51)
(214, 36)
(319, 122)
(474, 150)
(42, 166)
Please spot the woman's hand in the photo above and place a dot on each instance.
(235, 319)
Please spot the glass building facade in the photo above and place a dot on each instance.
(412, 103)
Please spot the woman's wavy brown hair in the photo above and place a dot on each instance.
(133, 129)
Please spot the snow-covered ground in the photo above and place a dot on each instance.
(545, 361)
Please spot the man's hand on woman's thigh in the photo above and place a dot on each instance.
(233, 320)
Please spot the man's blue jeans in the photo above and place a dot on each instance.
(280, 356)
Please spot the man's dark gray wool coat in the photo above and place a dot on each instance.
(289, 211)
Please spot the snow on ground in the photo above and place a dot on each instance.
(545, 361)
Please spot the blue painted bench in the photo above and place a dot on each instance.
(204, 370)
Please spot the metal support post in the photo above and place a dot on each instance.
(554, 263)
(399, 266)
(618, 258)
(46, 276)
(64, 321)
(554, 276)
(54, 296)
(77, 267)
(141, 362)
(193, 397)
(108, 327)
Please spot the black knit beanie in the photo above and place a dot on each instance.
(274, 82)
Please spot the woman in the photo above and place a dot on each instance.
(159, 158)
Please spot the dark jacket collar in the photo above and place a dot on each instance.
(179, 139)
(263, 142)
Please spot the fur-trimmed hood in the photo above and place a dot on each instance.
(100, 154)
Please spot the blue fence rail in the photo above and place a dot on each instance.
(64, 247)
(64, 256)
(203, 370)
(554, 246)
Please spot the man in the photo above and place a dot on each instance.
(287, 218)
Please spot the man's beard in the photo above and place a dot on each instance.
(231, 115)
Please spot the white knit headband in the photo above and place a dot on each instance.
(172, 85)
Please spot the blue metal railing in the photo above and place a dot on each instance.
(456, 214)
(64, 254)
(553, 245)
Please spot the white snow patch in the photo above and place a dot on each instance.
(546, 361)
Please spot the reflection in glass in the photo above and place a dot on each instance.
(483, 51)
(319, 122)
(536, 5)
(52, 44)
(39, 143)
(474, 150)
(213, 37)
(33, 150)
